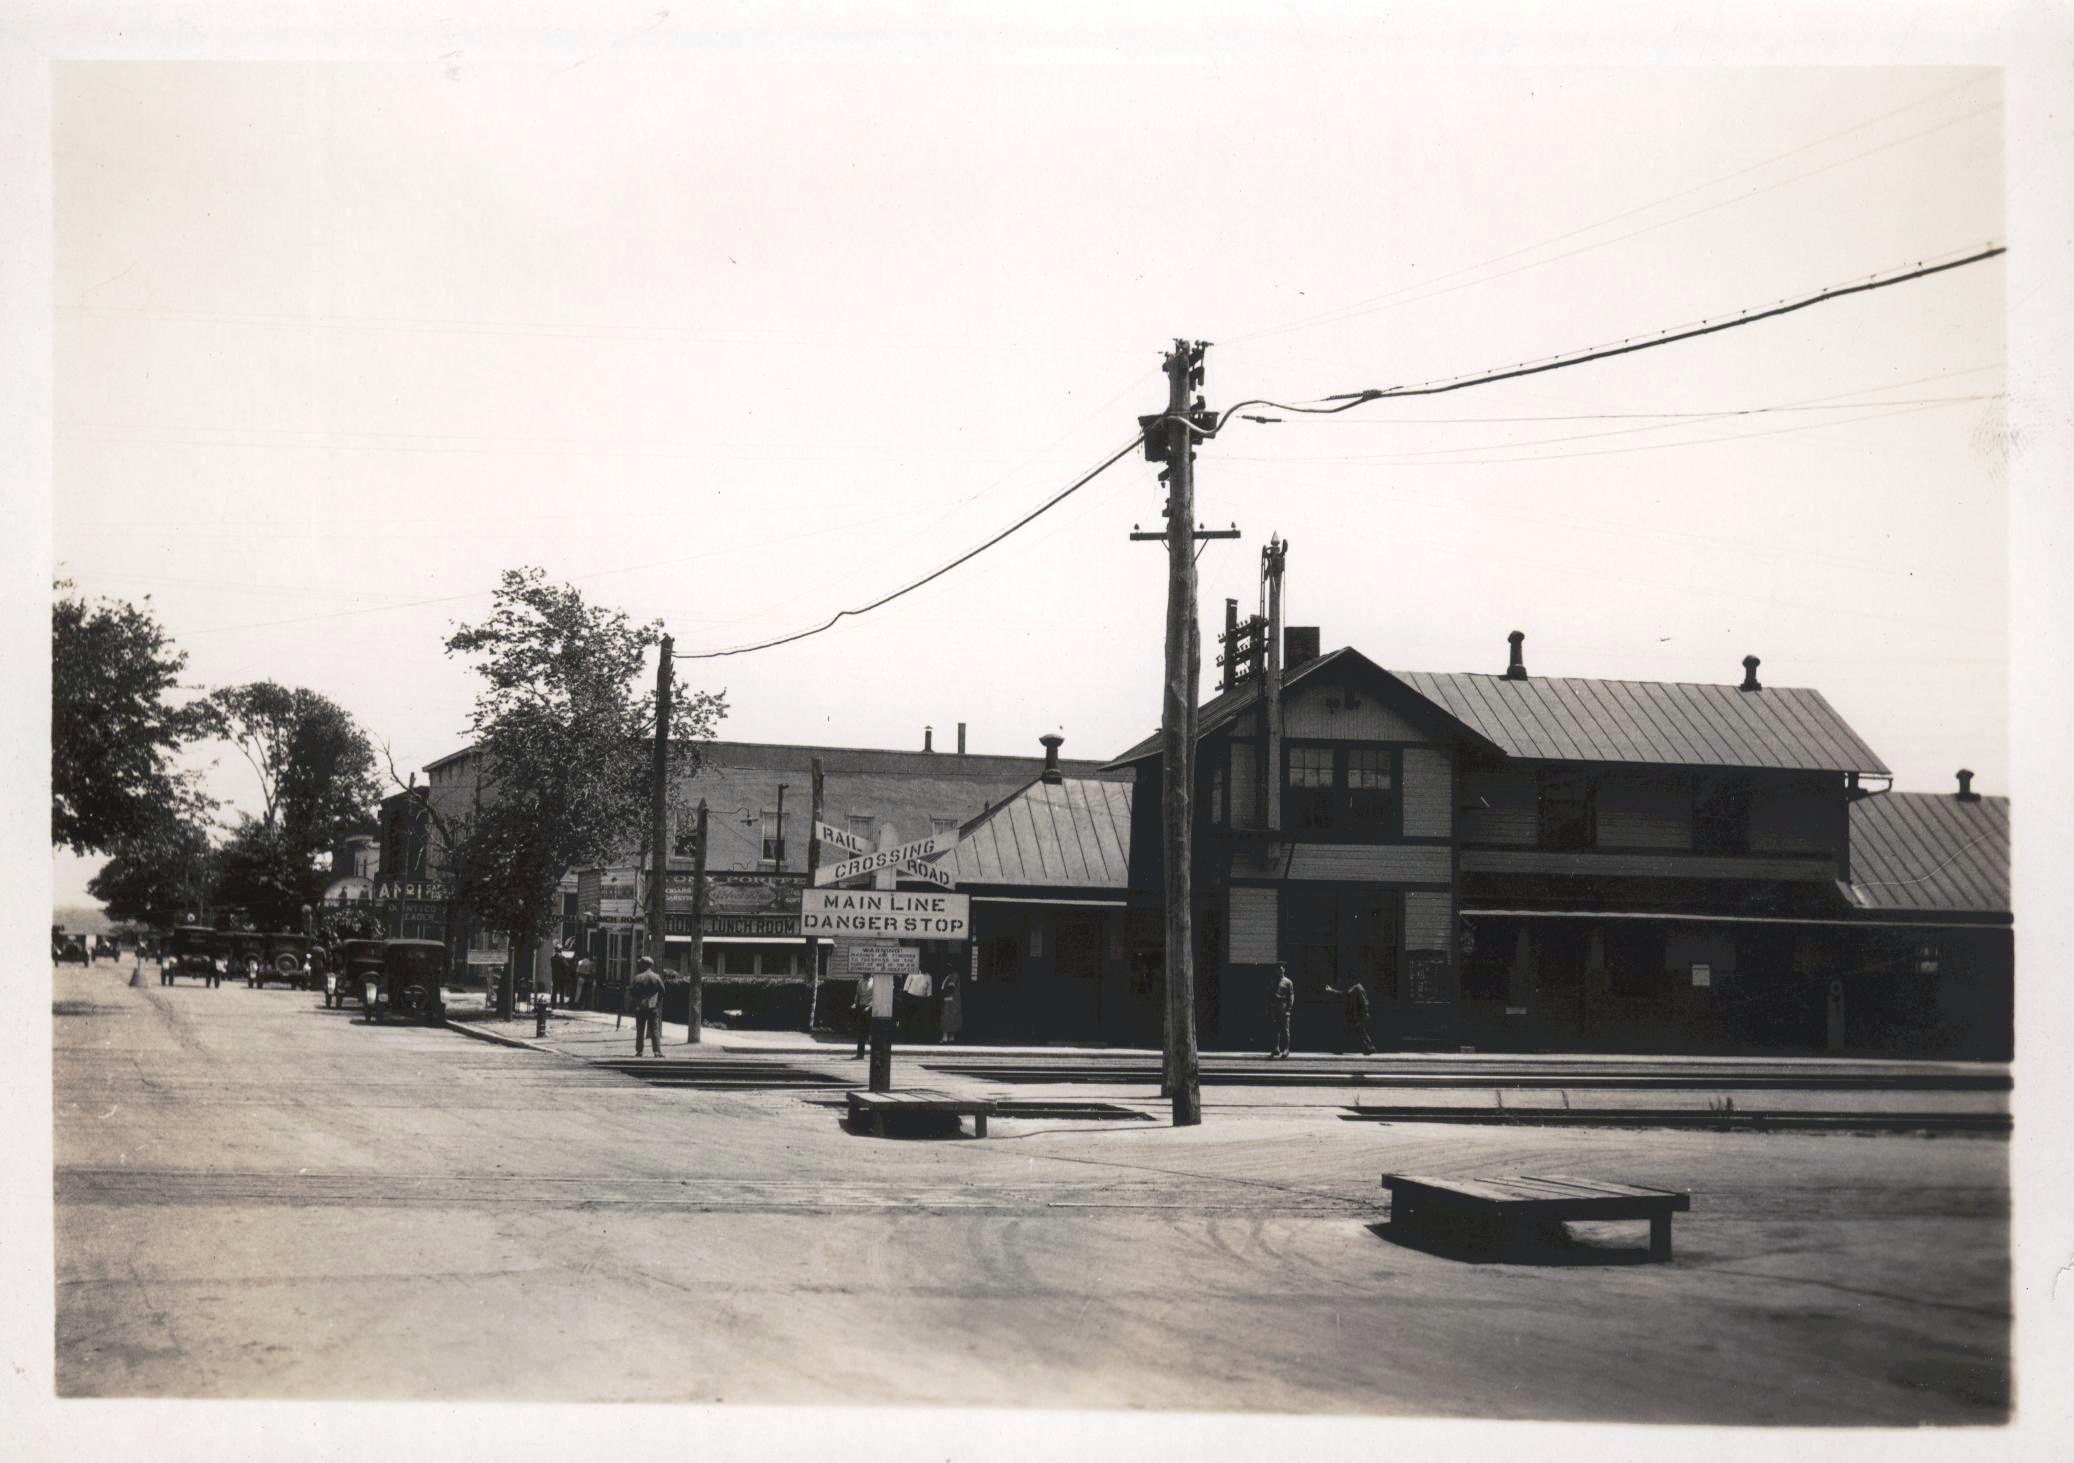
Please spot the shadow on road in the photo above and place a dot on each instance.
(1485, 1244)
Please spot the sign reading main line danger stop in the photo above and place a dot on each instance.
(902, 914)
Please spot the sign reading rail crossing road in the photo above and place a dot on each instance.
(900, 914)
(910, 858)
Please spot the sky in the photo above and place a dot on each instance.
(736, 346)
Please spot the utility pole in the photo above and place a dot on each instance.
(695, 1011)
(813, 868)
(659, 813)
(1170, 438)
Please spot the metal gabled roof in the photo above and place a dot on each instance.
(1671, 723)
(1930, 851)
(1074, 834)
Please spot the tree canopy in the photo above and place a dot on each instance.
(112, 731)
(159, 875)
(316, 771)
(564, 730)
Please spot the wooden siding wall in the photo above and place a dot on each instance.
(1343, 714)
(1499, 806)
(1636, 810)
(1796, 816)
(1380, 863)
(1429, 792)
(1428, 920)
(1245, 785)
(1255, 926)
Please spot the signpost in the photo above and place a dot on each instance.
(885, 913)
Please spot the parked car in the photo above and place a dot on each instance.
(103, 945)
(413, 974)
(191, 950)
(360, 970)
(285, 958)
(68, 949)
(148, 947)
(246, 952)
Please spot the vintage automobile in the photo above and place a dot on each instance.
(147, 947)
(285, 958)
(358, 964)
(413, 972)
(245, 951)
(105, 945)
(68, 949)
(191, 950)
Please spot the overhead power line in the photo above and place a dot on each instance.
(1032, 516)
(1390, 298)
(1347, 401)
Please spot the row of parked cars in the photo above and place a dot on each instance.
(401, 978)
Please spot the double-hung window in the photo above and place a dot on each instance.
(1312, 785)
(1342, 789)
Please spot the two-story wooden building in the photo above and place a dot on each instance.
(1516, 861)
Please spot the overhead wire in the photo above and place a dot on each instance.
(1347, 401)
(1388, 298)
(830, 623)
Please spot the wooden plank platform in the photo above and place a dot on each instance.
(917, 1102)
(1515, 1208)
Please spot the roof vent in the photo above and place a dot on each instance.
(928, 738)
(1966, 792)
(1516, 670)
(961, 739)
(1299, 645)
(1750, 664)
(1052, 742)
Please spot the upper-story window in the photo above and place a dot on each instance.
(1349, 789)
(941, 826)
(773, 845)
(684, 838)
(865, 827)
(1370, 787)
(1311, 787)
(1721, 815)
(1217, 795)
(1567, 808)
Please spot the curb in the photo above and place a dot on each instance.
(501, 1040)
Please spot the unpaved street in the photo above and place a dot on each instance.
(260, 1198)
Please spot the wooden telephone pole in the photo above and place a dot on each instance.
(659, 814)
(1170, 438)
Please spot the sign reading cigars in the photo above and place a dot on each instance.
(901, 914)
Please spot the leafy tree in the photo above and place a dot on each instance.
(260, 876)
(162, 874)
(564, 731)
(316, 771)
(112, 734)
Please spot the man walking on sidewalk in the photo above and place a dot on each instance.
(647, 996)
(1356, 995)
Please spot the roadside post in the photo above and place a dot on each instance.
(882, 987)
(695, 961)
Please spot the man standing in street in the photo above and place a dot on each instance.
(1281, 1003)
(646, 994)
(1356, 995)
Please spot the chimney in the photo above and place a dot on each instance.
(961, 739)
(1052, 742)
(1966, 792)
(1516, 668)
(928, 738)
(1299, 644)
(1750, 664)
